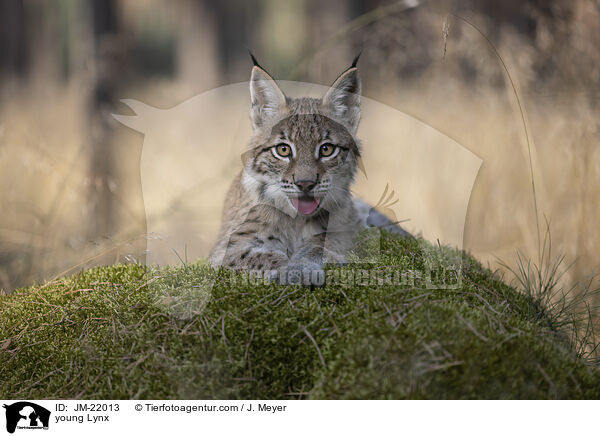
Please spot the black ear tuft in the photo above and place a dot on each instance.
(355, 61)
(254, 61)
(256, 64)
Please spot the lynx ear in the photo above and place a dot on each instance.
(267, 99)
(343, 99)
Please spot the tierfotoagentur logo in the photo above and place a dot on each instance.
(401, 171)
(25, 415)
(410, 169)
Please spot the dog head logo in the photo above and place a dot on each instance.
(26, 415)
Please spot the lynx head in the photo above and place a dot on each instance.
(304, 152)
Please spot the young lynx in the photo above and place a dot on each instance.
(290, 210)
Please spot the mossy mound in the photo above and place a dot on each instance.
(125, 331)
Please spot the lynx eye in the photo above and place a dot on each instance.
(283, 150)
(327, 150)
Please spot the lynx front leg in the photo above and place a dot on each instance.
(277, 266)
(255, 259)
(306, 264)
(325, 249)
(260, 262)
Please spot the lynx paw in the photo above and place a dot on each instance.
(304, 274)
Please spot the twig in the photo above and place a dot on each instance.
(315, 344)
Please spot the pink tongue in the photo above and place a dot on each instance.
(305, 205)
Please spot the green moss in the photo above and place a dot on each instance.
(428, 322)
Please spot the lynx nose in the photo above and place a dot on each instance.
(305, 185)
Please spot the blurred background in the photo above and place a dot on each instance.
(70, 190)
